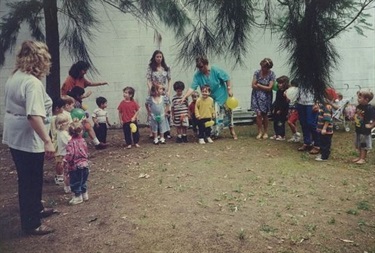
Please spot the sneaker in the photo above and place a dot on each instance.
(259, 136)
(101, 146)
(184, 139)
(319, 159)
(85, 196)
(76, 200)
(67, 189)
(156, 141)
(280, 138)
(265, 136)
(162, 141)
(293, 139)
(209, 140)
(129, 146)
(273, 137)
(314, 151)
(318, 156)
(59, 179)
(41, 230)
(179, 139)
(201, 141)
(137, 145)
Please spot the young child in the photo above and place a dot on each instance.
(363, 115)
(76, 159)
(280, 109)
(180, 112)
(128, 111)
(62, 125)
(157, 108)
(100, 119)
(57, 108)
(204, 111)
(325, 128)
(291, 94)
(193, 119)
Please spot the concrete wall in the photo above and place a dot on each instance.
(123, 47)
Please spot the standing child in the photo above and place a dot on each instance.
(180, 112)
(325, 128)
(363, 115)
(193, 119)
(280, 109)
(128, 111)
(62, 125)
(100, 119)
(77, 162)
(292, 94)
(204, 111)
(157, 108)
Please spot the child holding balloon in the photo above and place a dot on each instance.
(128, 110)
(157, 109)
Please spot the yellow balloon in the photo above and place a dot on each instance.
(133, 127)
(84, 107)
(231, 103)
(209, 123)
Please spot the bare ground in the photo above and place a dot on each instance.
(230, 196)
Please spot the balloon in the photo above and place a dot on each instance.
(84, 107)
(275, 86)
(157, 118)
(209, 123)
(78, 113)
(231, 103)
(133, 127)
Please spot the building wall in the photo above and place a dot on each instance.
(123, 46)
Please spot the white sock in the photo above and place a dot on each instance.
(96, 141)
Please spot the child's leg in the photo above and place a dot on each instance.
(85, 174)
(325, 145)
(127, 133)
(90, 131)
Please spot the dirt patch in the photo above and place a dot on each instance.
(230, 196)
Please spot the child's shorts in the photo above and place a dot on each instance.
(363, 141)
(181, 121)
(293, 116)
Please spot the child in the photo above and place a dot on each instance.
(76, 159)
(291, 94)
(57, 108)
(280, 109)
(157, 108)
(363, 115)
(62, 125)
(128, 111)
(193, 119)
(180, 112)
(325, 128)
(100, 119)
(204, 111)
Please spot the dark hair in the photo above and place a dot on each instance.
(294, 83)
(57, 102)
(76, 93)
(100, 101)
(201, 60)
(77, 67)
(153, 64)
(178, 86)
(206, 87)
(266, 62)
(130, 90)
(284, 80)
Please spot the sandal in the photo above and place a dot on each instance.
(304, 147)
(259, 136)
(356, 160)
(360, 162)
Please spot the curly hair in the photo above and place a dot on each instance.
(76, 68)
(153, 64)
(33, 58)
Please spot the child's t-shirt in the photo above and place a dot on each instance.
(325, 115)
(363, 115)
(63, 138)
(179, 108)
(100, 115)
(204, 108)
(127, 110)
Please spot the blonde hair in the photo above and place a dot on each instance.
(366, 94)
(75, 128)
(33, 58)
(62, 121)
(68, 100)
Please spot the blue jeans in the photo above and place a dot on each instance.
(78, 180)
(308, 120)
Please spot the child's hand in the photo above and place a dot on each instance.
(371, 125)
(324, 131)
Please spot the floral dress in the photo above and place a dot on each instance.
(161, 77)
(261, 100)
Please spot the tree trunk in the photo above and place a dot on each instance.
(53, 43)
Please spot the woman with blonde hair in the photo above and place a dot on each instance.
(27, 112)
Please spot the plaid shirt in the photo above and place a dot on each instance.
(76, 153)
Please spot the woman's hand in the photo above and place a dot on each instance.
(49, 149)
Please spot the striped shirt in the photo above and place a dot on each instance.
(325, 115)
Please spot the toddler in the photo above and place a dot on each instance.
(62, 125)
(76, 159)
(128, 111)
(100, 119)
(292, 94)
(364, 114)
(205, 112)
(280, 109)
(180, 112)
(157, 109)
(193, 119)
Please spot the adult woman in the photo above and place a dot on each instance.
(27, 108)
(261, 95)
(221, 88)
(158, 72)
(77, 78)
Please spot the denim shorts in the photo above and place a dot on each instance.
(363, 141)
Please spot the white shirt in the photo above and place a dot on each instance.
(24, 95)
(100, 115)
(63, 138)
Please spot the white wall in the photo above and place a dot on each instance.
(123, 48)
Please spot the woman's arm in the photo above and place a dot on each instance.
(97, 84)
(37, 124)
(229, 88)
(187, 94)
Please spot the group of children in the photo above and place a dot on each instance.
(284, 110)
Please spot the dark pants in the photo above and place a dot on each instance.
(194, 123)
(204, 131)
(78, 180)
(128, 133)
(101, 132)
(325, 145)
(279, 124)
(30, 184)
(308, 120)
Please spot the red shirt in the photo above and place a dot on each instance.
(192, 108)
(127, 109)
(70, 82)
